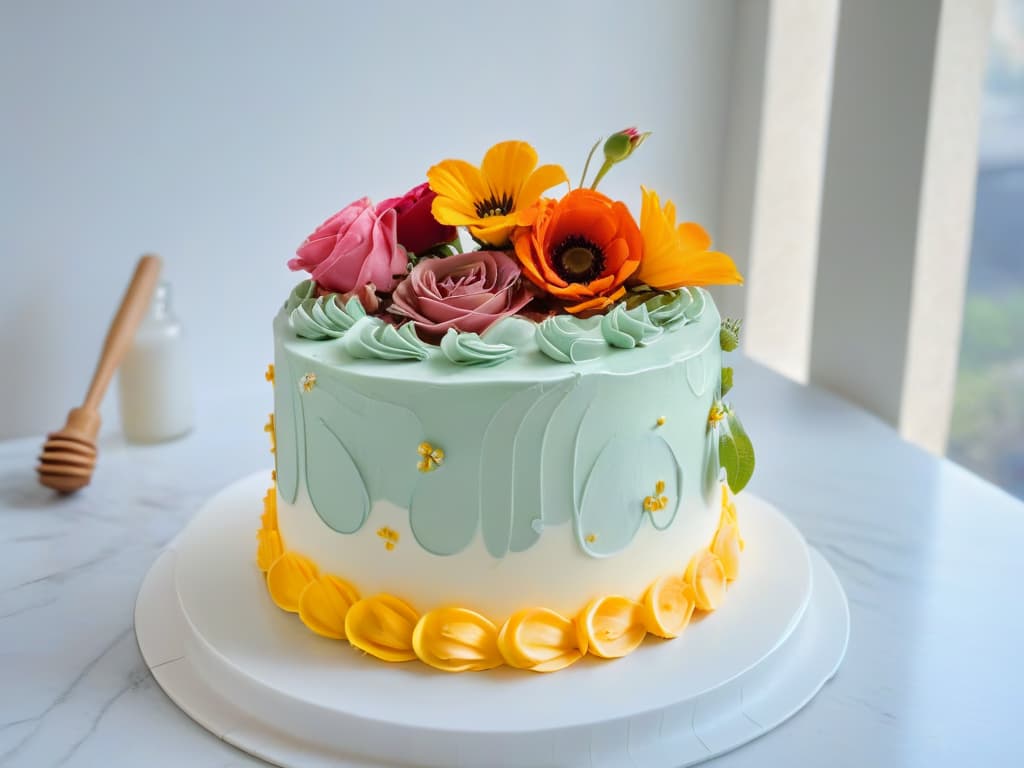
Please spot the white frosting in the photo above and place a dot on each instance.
(553, 573)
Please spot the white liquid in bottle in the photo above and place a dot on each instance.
(154, 383)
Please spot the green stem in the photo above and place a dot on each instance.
(586, 165)
(600, 174)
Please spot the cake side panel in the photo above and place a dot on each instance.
(497, 495)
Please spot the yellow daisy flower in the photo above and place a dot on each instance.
(674, 257)
(486, 199)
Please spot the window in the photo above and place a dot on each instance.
(987, 434)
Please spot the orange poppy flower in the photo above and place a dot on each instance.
(579, 249)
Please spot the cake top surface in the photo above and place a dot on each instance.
(514, 349)
(552, 275)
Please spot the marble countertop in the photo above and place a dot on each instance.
(927, 553)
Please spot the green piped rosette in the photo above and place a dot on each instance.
(628, 328)
(668, 309)
(372, 338)
(568, 339)
(304, 290)
(470, 349)
(325, 317)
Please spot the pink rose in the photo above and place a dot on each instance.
(418, 230)
(469, 292)
(354, 247)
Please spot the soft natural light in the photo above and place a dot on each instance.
(988, 419)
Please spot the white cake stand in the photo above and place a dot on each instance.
(258, 679)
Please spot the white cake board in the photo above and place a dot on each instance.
(257, 678)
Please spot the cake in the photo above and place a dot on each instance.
(515, 453)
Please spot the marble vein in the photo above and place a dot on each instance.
(65, 694)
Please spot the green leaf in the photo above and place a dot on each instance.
(728, 456)
(726, 380)
(744, 453)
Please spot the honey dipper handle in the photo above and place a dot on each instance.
(122, 328)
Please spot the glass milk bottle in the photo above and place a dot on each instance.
(154, 383)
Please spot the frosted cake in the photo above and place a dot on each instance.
(499, 429)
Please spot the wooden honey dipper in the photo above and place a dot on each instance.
(69, 455)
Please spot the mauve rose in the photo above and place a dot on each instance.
(418, 230)
(468, 292)
(353, 248)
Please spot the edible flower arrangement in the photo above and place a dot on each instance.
(542, 247)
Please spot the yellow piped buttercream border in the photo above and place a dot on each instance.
(456, 639)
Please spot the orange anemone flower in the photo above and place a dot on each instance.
(674, 257)
(487, 199)
(579, 249)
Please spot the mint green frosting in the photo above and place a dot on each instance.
(568, 339)
(677, 308)
(304, 290)
(513, 330)
(288, 456)
(372, 338)
(528, 445)
(470, 349)
(612, 507)
(628, 328)
(325, 317)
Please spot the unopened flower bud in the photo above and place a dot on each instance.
(620, 145)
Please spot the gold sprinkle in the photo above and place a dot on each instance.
(591, 538)
(273, 475)
(271, 430)
(661, 421)
(658, 501)
(431, 459)
(390, 536)
(307, 382)
(269, 375)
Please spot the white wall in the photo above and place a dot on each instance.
(220, 133)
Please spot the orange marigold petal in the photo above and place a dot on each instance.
(596, 304)
(524, 253)
(673, 257)
(287, 577)
(692, 236)
(706, 268)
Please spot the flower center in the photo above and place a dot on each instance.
(578, 260)
(495, 206)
